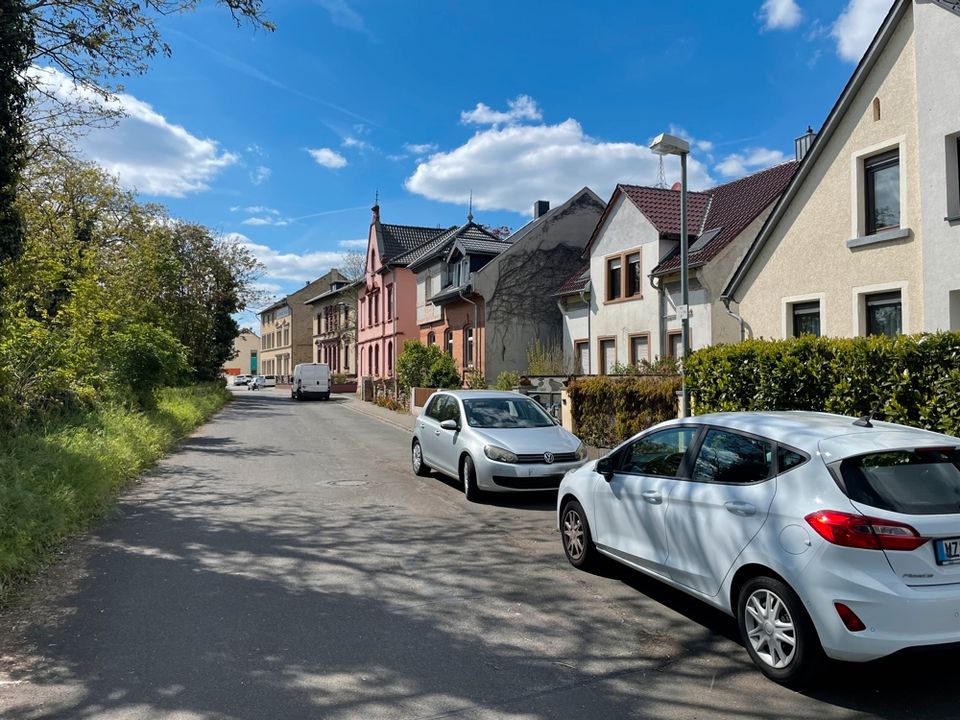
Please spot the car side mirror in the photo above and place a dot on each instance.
(450, 425)
(605, 468)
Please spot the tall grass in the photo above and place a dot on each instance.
(54, 481)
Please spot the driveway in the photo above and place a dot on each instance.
(284, 562)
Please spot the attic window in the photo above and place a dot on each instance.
(876, 109)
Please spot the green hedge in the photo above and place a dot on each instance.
(607, 410)
(910, 379)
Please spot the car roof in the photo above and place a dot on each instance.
(483, 394)
(806, 430)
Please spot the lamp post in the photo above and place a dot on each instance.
(666, 144)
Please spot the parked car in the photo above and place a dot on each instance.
(497, 441)
(819, 533)
(310, 380)
(241, 379)
(258, 382)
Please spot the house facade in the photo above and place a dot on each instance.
(335, 327)
(246, 347)
(286, 328)
(386, 300)
(619, 306)
(866, 238)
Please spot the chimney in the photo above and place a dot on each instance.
(540, 207)
(802, 144)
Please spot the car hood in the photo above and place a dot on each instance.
(527, 441)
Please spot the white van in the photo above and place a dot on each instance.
(311, 380)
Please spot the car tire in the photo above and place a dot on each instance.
(577, 542)
(420, 468)
(777, 631)
(468, 475)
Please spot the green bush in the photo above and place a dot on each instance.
(910, 379)
(507, 380)
(422, 365)
(476, 380)
(546, 360)
(607, 410)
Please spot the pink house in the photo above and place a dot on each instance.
(387, 301)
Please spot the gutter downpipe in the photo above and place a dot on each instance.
(726, 304)
(588, 287)
(476, 325)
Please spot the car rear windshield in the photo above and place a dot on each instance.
(923, 481)
(505, 413)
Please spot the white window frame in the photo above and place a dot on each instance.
(860, 293)
(786, 312)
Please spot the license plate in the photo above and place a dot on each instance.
(948, 551)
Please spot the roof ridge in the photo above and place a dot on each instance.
(753, 174)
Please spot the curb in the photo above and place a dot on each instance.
(382, 419)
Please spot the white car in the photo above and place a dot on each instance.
(819, 533)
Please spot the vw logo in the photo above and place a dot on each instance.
(548, 457)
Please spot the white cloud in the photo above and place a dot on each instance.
(780, 14)
(289, 267)
(343, 15)
(749, 161)
(265, 221)
(327, 158)
(144, 150)
(523, 107)
(857, 25)
(509, 168)
(351, 142)
(420, 148)
(260, 175)
(255, 209)
(360, 243)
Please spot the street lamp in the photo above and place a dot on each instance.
(666, 144)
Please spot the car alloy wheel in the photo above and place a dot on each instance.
(577, 544)
(468, 474)
(776, 630)
(416, 459)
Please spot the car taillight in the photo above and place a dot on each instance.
(859, 531)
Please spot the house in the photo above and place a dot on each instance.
(386, 300)
(244, 360)
(866, 237)
(286, 327)
(514, 290)
(619, 305)
(335, 326)
(447, 312)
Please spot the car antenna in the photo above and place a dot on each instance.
(864, 420)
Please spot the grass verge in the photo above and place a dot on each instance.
(54, 482)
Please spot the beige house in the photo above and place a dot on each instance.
(286, 327)
(246, 347)
(866, 237)
(335, 327)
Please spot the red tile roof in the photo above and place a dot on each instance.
(576, 282)
(662, 207)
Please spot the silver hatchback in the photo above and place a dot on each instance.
(496, 441)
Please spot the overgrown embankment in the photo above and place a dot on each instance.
(54, 481)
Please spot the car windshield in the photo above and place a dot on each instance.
(924, 481)
(505, 413)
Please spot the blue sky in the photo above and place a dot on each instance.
(284, 138)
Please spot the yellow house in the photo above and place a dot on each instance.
(246, 347)
(866, 237)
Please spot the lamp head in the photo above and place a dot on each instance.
(667, 144)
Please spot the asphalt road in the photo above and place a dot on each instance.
(284, 562)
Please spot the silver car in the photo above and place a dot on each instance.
(488, 440)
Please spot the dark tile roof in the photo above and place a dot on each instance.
(482, 242)
(733, 206)
(576, 282)
(399, 239)
(661, 206)
(440, 246)
(428, 249)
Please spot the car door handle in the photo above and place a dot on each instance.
(744, 509)
(652, 496)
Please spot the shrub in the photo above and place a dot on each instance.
(422, 365)
(546, 360)
(476, 380)
(507, 380)
(914, 380)
(608, 410)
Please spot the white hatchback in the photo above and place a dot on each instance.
(820, 533)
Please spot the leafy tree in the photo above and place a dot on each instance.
(16, 45)
(146, 357)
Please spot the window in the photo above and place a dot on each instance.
(608, 355)
(882, 181)
(435, 407)
(389, 368)
(389, 315)
(581, 352)
(884, 314)
(376, 360)
(431, 338)
(448, 342)
(639, 349)
(921, 481)
(614, 279)
(376, 308)
(468, 346)
(286, 336)
(675, 344)
(658, 454)
(370, 360)
(727, 457)
(634, 278)
(806, 318)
